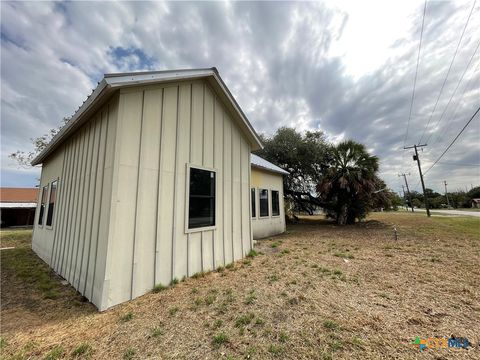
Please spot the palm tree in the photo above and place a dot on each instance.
(349, 182)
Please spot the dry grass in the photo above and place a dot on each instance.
(322, 292)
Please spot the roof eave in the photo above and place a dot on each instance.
(282, 172)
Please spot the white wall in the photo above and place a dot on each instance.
(75, 245)
(270, 225)
(161, 130)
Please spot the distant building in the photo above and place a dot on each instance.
(476, 203)
(17, 206)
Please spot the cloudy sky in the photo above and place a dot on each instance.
(344, 67)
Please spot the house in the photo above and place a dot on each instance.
(476, 203)
(17, 206)
(268, 210)
(149, 182)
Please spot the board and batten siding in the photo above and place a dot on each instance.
(162, 130)
(75, 245)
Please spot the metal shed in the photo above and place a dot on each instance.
(148, 182)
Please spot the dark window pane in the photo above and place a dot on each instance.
(201, 210)
(43, 200)
(263, 202)
(275, 203)
(253, 203)
(51, 202)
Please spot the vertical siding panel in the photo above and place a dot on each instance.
(99, 254)
(83, 204)
(167, 169)
(236, 211)
(196, 139)
(246, 219)
(61, 210)
(183, 157)
(145, 227)
(208, 139)
(83, 284)
(227, 190)
(76, 221)
(250, 225)
(71, 206)
(218, 164)
(56, 217)
(129, 138)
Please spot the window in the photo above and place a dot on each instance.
(43, 199)
(201, 212)
(275, 203)
(263, 202)
(254, 214)
(51, 202)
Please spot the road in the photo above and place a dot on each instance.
(452, 212)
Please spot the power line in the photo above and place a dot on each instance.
(453, 141)
(453, 94)
(457, 164)
(448, 72)
(416, 74)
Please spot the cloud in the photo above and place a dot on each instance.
(334, 66)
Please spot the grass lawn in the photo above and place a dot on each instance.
(319, 291)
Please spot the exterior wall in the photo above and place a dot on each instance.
(163, 129)
(271, 225)
(75, 246)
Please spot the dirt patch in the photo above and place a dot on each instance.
(319, 291)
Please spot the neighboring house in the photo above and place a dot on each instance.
(17, 206)
(476, 203)
(268, 210)
(150, 181)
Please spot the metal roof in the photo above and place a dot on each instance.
(19, 205)
(18, 195)
(259, 162)
(113, 82)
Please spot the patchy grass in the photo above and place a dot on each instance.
(305, 303)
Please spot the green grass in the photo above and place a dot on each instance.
(330, 324)
(252, 253)
(129, 354)
(82, 350)
(276, 350)
(344, 255)
(127, 317)
(16, 238)
(159, 287)
(220, 339)
(157, 331)
(244, 320)
(56, 353)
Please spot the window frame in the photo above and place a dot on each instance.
(187, 199)
(271, 197)
(260, 216)
(50, 227)
(253, 197)
(42, 222)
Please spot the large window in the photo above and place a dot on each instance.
(201, 211)
(51, 202)
(263, 203)
(43, 200)
(254, 210)
(275, 203)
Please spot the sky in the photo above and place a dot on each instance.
(346, 68)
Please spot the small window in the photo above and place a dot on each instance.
(275, 203)
(43, 200)
(51, 202)
(263, 202)
(254, 214)
(201, 212)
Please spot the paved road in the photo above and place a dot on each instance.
(452, 212)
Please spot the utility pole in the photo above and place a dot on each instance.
(417, 159)
(446, 193)
(404, 197)
(408, 190)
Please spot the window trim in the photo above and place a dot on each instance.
(50, 227)
(187, 198)
(255, 202)
(40, 205)
(279, 207)
(268, 204)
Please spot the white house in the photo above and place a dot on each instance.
(268, 210)
(151, 178)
